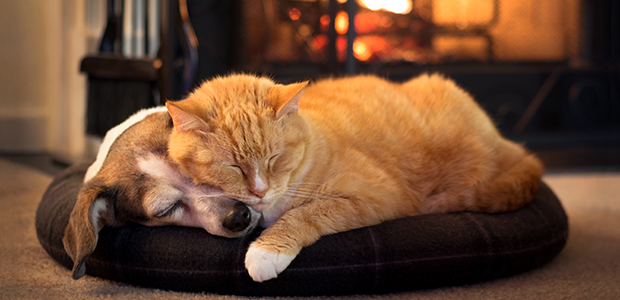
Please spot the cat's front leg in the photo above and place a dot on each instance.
(280, 243)
(264, 263)
(276, 247)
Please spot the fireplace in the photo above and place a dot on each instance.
(546, 71)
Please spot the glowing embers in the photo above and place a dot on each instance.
(381, 28)
(294, 14)
(342, 22)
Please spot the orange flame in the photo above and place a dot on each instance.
(342, 22)
(394, 6)
(361, 50)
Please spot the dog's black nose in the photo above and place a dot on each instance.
(238, 218)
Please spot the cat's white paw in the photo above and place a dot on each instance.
(263, 264)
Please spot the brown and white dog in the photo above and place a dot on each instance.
(133, 180)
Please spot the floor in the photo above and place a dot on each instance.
(42, 162)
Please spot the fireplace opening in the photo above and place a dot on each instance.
(279, 32)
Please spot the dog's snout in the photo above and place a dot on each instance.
(238, 218)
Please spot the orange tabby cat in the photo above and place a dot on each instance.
(348, 153)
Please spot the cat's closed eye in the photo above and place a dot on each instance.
(238, 169)
(272, 160)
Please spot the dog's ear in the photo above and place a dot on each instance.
(91, 212)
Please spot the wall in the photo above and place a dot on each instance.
(42, 93)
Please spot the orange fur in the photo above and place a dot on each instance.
(359, 151)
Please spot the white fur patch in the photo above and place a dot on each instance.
(272, 214)
(99, 206)
(259, 184)
(113, 134)
(158, 167)
(263, 265)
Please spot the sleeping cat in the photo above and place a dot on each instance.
(341, 154)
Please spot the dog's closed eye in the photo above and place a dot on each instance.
(168, 211)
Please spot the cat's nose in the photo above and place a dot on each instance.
(259, 192)
(257, 186)
(238, 218)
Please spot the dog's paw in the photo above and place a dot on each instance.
(263, 264)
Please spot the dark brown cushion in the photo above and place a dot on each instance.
(412, 253)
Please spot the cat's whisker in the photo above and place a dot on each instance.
(313, 194)
(316, 191)
(302, 188)
(306, 183)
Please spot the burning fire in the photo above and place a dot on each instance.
(361, 50)
(294, 14)
(402, 7)
(342, 22)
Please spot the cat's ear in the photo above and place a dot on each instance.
(184, 121)
(285, 98)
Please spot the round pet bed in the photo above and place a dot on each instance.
(412, 253)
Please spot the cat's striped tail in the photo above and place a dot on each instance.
(510, 188)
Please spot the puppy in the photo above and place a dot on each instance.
(134, 180)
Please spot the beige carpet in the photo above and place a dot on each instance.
(588, 268)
